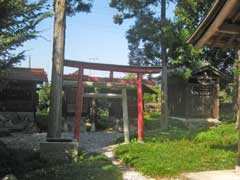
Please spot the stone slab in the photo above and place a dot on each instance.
(59, 151)
(212, 175)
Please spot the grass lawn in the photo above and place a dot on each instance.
(27, 165)
(178, 150)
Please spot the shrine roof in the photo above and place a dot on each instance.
(220, 27)
(26, 74)
(214, 72)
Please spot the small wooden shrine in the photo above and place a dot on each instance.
(196, 98)
(18, 96)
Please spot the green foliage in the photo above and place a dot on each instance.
(148, 31)
(18, 24)
(188, 16)
(75, 6)
(152, 98)
(224, 136)
(44, 98)
(130, 76)
(170, 153)
(42, 121)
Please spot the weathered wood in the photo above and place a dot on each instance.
(99, 85)
(222, 43)
(79, 102)
(54, 123)
(102, 95)
(216, 103)
(218, 13)
(125, 116)
(73, 77)
(140, 107)
(164, 89)
(230, 28)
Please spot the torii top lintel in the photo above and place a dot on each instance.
(113, 67)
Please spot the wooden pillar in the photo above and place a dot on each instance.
(125, 115)
(111, 75)
(216, 103)
(140, 107)
(79, 99)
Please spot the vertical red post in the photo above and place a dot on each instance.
(140, 107)
(79, 100)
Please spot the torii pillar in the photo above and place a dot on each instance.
(140, 107)
(79, 100)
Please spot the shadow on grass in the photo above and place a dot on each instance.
(18, 161)
(230, 147)
(27, 165)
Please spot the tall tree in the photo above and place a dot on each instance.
(148, 38)
(61, 8)
(18, 22)
(164, 87)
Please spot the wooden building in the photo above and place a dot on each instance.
(197, 98)
(221, 28)
(18, 96)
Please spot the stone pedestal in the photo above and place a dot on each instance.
(59, 150)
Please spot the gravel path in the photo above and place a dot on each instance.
(91, 142)
(128, 173)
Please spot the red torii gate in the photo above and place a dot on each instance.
(140, 71)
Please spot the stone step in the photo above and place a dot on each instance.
(212, 175)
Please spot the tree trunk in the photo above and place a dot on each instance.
(55, 115)
(164, 96)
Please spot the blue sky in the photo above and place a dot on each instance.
(90, 37)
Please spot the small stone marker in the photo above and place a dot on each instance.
(59, 150)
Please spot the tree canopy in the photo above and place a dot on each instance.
(19, 19)
(147, 33)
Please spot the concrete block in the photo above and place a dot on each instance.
(59, 150)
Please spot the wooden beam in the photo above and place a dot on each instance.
(236, 17)
(102, 95)
(73, 77)
(79, 100)
(222, 43)
(112, 67)
(99, 85)
(125, 115)
(233, 29)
